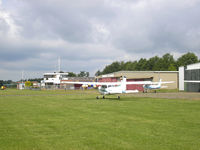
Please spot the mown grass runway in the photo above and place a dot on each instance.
(80, 122)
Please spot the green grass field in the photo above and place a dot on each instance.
(78, 121)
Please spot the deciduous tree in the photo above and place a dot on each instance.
(186, 59)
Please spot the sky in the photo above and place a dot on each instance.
(87, 35)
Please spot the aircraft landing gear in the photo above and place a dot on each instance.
(103, 97)
(98, 97)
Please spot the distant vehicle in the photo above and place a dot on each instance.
(3, 87)
(107, 88)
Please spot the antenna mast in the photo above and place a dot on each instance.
(58, 64)
(22, 86)
(22, 76)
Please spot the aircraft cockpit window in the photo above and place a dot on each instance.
(104, 86)
(113, 85)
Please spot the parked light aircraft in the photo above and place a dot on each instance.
(155, 86)
(107, 88)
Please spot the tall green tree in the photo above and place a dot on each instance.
(1, 83)
(115, 66)
(187, 59)
(130, 66)
(152, 63)
(83, 74)
(71, 74)
(141, 65)
(166, 61)
(172, 67)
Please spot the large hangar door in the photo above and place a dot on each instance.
(192, 75)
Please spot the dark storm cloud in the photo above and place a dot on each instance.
(167, 26)
(88, 34)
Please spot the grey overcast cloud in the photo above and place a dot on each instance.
(89, 34)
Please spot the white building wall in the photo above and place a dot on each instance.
(21, 86)
(181, 78)
(56, 79)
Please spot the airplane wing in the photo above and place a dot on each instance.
(163, 82)
(92, 83)
(162, 87)
(115, 83)
(140, 82)
(148, 82)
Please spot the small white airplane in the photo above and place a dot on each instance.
(108, 88)
(155, 86)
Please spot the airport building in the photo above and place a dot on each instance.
(53, 78)
(154, 76)
(56, 81)
(20, 85)
(189, 78)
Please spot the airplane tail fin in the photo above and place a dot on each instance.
(123, 81)
(165, 82)
(160, 82)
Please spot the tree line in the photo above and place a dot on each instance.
(156, 63)
(164, 63)
(81, 74)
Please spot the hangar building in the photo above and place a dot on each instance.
(189, 78)
(142, 76)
